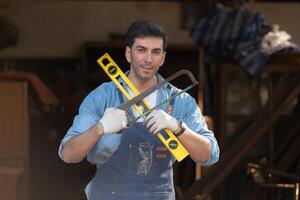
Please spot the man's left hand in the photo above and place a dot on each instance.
(158, 120)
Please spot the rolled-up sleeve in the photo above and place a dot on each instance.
(89, 113)
(195, 120)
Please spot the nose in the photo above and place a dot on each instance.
(148, 58)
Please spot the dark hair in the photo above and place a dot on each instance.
(144, 28)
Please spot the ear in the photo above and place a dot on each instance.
(128, 54)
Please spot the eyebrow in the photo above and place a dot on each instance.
(140, 46)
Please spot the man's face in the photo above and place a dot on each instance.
(145, 56)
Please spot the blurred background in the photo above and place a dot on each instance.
(244, 53)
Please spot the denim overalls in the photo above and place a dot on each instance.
(140, 169)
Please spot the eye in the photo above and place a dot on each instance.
(141, 50)
(157, 51)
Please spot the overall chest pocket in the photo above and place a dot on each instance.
(140, 159)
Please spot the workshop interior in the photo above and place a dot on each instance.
(244, 55)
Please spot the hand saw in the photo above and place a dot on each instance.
(141, 105)
(137, 100)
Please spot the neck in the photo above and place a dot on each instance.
(142, 85)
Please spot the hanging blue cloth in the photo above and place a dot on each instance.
(238, 34)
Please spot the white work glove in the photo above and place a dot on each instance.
(113, 120)
(158, 120)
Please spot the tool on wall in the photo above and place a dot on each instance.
(142, 106)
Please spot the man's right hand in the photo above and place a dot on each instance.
(113, 120)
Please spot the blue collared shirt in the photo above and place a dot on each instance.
(107, 95)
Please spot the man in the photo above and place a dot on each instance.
(135, 164)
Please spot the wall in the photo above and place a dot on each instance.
(57, 28)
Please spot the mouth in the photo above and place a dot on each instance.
(147, 69)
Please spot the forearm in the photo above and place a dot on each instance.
(198, 146)
(79, 146)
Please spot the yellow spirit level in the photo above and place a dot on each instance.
(114, 73)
